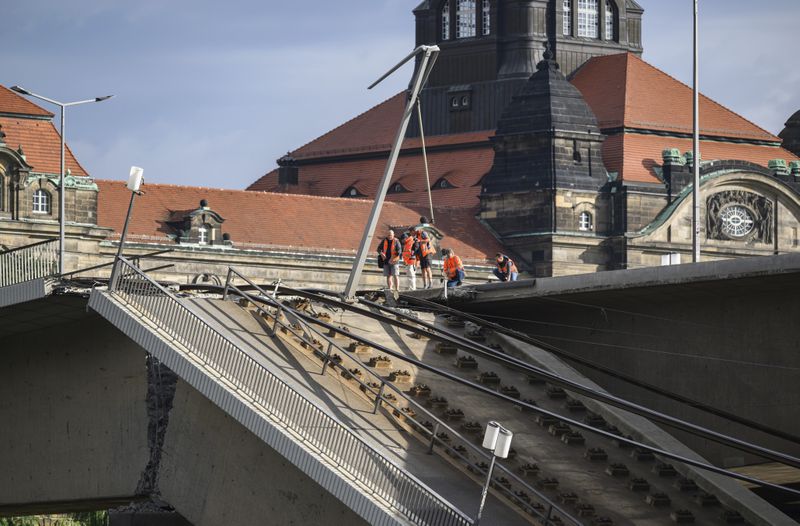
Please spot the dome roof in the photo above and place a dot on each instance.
(791, 134)
(546, 101)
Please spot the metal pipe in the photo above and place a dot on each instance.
(696, 148)
(366, 239)
(485, 490)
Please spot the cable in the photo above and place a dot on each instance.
(608, 371)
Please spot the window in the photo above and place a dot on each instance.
(567, 17)
(397, 188)
(588, 18)
(585, 221)
(41, 202)
(442, 184)
(446, 21)
(352, 192)
(202, 234)
(465, 18)
(487, 17)
(610, 20)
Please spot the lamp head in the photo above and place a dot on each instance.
(101, 99)
(20, 89)
(135, 179)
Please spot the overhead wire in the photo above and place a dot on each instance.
(696, 404)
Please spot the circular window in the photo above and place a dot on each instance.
(737, 221)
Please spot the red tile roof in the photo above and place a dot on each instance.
(634, 155)
(41, 144)
(624, 90)
(260, 219)
(463, 168)
(11, 102)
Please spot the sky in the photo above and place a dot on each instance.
(211, 94)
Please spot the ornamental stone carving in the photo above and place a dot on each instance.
(740, 216)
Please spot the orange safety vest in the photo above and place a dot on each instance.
(389, 253)
(508, 267)
(424, 243)
(408, 251)
(451, 265)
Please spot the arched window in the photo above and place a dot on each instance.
(41, 202)
(567, 17)
(446, 21)
(487, 17)
(588, 18)
(397, 188)
(585, 222)
(465, 18)
(611, 20)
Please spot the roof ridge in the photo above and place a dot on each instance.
(246, 192)
(702, 96)
(329, 132)
(11, 92)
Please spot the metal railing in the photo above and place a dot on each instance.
(299, 417)
(385, 393)
(30, 262)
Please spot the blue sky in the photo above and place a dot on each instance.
(210, 94)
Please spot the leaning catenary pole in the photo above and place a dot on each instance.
(696, 152)
(429, 54)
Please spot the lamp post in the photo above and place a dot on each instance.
(135, 181)
(695, 147)
(61, 198)
(497, 439)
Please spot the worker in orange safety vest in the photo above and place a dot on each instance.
(453, 268)
(506, 269)
(409, 244)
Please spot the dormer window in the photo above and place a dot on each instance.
(41, 202)
(442, 184)
(465, 18)
(202, 234)
(352, 191)
(397, 188)
(459, 99)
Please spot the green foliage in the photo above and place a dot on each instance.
(87, 518)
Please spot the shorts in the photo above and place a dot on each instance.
(425, 261)
(390, 269)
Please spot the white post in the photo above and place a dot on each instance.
(696, 150)
(62, 213)
(421, 75)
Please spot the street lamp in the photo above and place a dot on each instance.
(497, 439)
(61, 199)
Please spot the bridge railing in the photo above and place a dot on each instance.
(313, 333)
(30, 262)
(304, 421)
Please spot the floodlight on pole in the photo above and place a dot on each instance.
(135, 181)
(63, 174)
(496, 439)
(423, 71)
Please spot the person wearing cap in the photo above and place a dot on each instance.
(506, 269)
(453, 268)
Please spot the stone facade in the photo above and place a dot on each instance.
(476, 75)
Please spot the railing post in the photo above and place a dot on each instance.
(227, 284)
(275, 292)
(379, 398)
(433, 438)
(277, 319)
(327, 357)
(549, 516)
